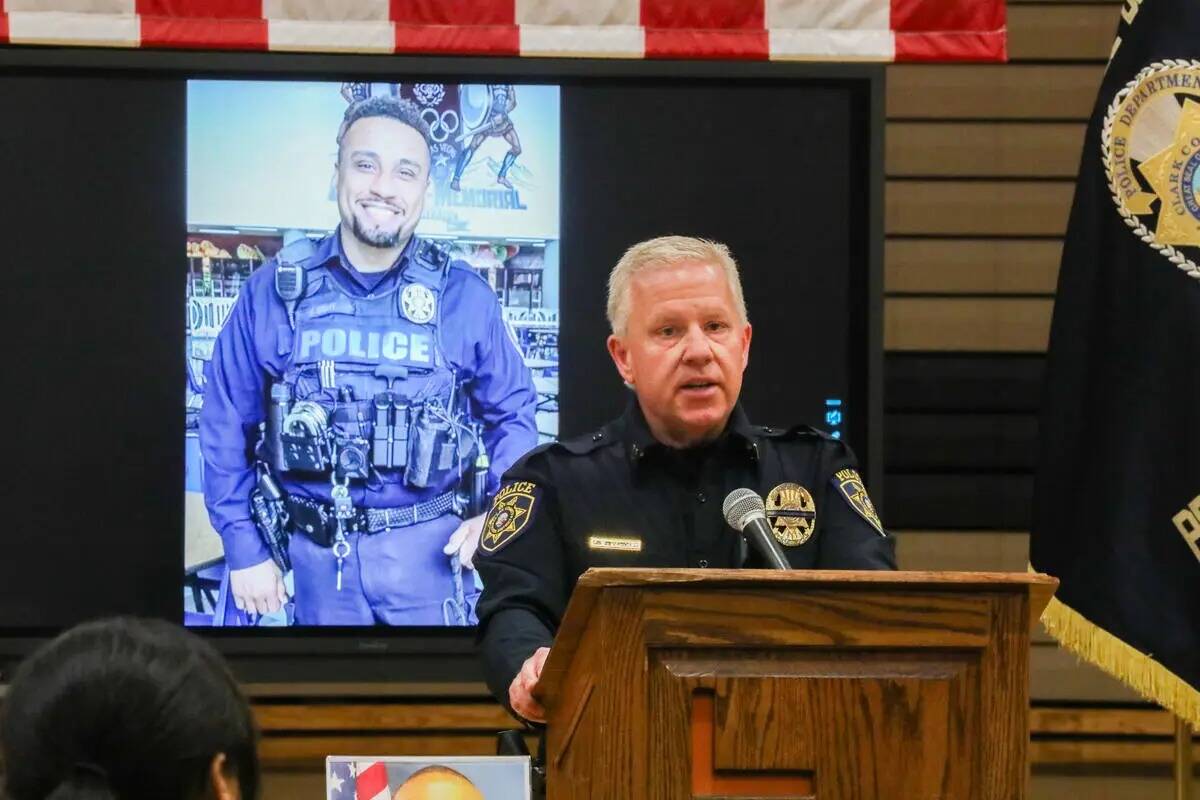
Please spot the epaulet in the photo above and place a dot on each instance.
(586, 443)
(576, 445)
(795, 432)
(298, 253)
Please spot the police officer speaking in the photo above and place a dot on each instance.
(646, 489)
(358, 383)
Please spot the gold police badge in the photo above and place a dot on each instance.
(511, 512)
(791, 513)
(1150, 146)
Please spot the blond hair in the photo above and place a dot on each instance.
(666, 251)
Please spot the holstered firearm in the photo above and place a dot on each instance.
(270, 517)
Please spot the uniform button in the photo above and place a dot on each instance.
(370, 295)
(703, 563)
(701, 497)
(597, 436)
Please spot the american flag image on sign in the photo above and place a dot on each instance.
(358, 780)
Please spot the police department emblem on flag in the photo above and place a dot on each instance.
(417, 303)
(512, 511)
(852, 488)
(1150, 146)
(792, 514)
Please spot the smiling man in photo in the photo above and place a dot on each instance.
(378, 371)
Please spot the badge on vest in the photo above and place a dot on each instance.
(511, 513)
(792, 514)
(417, 303)
(852, 488)
(625, 544)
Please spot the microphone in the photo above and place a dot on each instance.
(745, 511)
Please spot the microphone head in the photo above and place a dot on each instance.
(740, 506)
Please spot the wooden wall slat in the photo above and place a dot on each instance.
(962, 551)
(977, 208)
(984, 149)
(1078, 751)
(483, 715)
(915, 442)
(992, 91)
(940, 501)
(964, 383)
(971, 266)
(966, 324)
(1057, 675)
(1061, 32)
(1101, 721)
(371, 691)
(296, 751)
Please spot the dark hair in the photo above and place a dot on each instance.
(124, 708)
(396, 108)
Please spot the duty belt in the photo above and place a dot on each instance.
(316, 520)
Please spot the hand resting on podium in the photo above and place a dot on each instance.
(520, 691)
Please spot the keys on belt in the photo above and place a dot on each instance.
(318, 521)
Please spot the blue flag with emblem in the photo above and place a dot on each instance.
(1117, 493)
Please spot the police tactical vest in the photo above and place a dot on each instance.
(374, 366)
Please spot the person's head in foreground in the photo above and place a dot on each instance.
(437, 783)
(680, 336)
(127, 708)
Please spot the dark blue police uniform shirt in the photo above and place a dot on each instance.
(246, 360)
(618, 498)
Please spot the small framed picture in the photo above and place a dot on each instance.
(427, 778)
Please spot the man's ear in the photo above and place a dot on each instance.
(621, 358)
(746, 346)
(223, 780)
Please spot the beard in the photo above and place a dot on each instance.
(374, 238)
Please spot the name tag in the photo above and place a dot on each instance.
(623, 543)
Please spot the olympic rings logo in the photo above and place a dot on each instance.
(441, 126)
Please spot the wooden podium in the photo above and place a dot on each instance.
(803, 684)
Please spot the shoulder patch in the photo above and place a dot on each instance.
(513, 509)
(851, 486)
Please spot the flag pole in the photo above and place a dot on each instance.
(1183, 760)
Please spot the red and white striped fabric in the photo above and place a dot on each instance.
(809, 30)
(371, 781)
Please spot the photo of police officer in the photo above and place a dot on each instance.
(361, 400)
(428, 778)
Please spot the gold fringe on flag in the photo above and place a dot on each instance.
(1134, 668)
